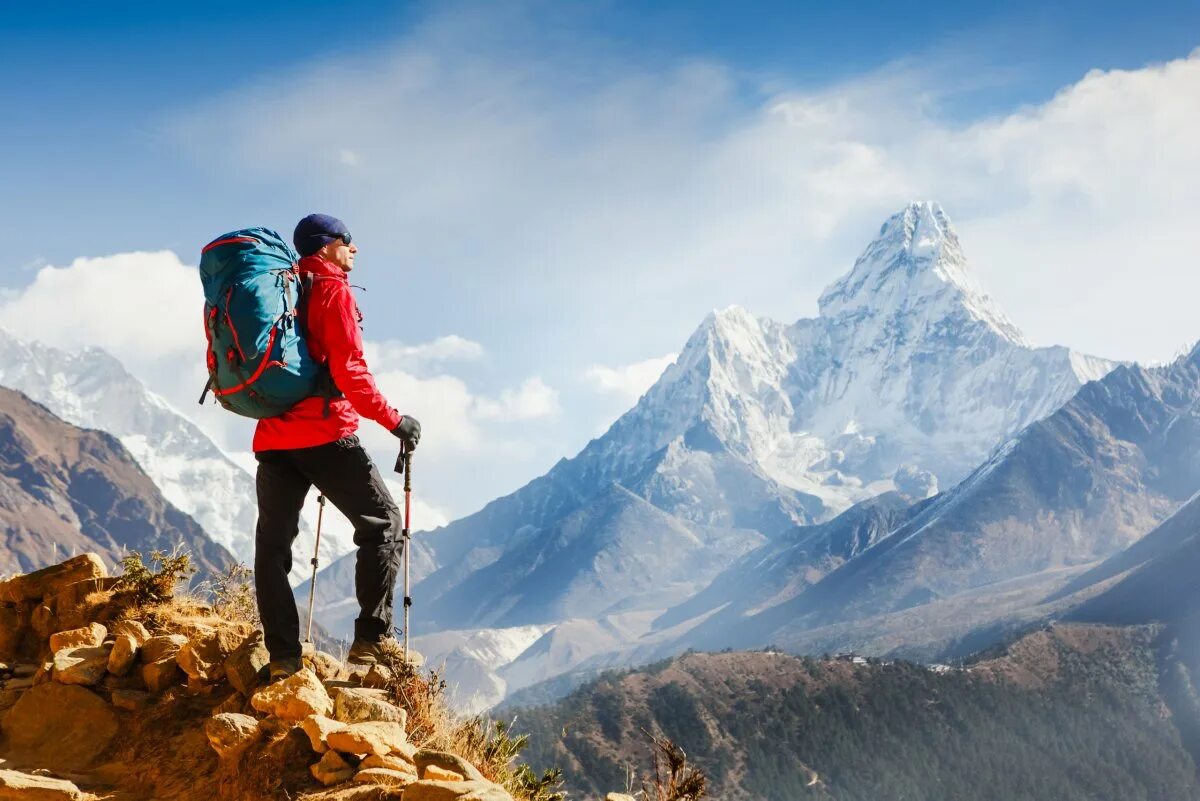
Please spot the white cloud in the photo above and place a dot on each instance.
(600, 192)
(144, 308)
(532, 400)
(452, 348)
(629, 381)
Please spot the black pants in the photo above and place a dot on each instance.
(344, 473)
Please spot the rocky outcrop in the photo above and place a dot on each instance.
(117, 688)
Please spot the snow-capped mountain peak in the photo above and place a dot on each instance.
(916, 270)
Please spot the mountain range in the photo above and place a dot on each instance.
(66, 490)
(92, 389)
(749, 447)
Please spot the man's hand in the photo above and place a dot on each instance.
(409, 432)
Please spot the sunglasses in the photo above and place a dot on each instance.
(346, 238)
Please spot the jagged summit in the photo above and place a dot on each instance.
(914, 268)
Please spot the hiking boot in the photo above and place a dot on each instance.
(367, 652)
(282, 668)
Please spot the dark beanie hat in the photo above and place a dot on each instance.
(316, 231)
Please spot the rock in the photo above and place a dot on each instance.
(131, 700)
(162, 646)
(51, 580)
(229, 733)
(63, 725)
(355, 704)
(44, 673)
(374, 737)
(294, 698)
(246, 666)
(86, 665)
(377, 677)
(426, 757)
(89, 636)
(132, 628)
(12, 631)
(318, 727)
(72, 595)
(203, 656)
(160, 674)
(130, 681)
(123, 655)
(16, 786)
(24, 670)
(235, 702)
(332, 769)
(19, 684)
(393, 761)
(43, 621)
(326, 666)
(619, 797)
(384, 776)
(426, 790)
(435, 774)
(9, 696)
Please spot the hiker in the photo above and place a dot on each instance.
(313, 444)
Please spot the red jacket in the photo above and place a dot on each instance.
(331, 327)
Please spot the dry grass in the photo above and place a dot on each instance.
(672, 779)
(489, 745)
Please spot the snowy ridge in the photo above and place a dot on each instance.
(91, 389)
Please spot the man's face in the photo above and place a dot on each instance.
(340, 254)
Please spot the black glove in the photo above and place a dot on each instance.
(409, 432)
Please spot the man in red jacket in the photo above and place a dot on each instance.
(314, 444)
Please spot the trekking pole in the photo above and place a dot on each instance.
(312, 587)
(404, 465)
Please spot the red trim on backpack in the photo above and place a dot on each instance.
(232, 328)
(230, 240)
(257, 373)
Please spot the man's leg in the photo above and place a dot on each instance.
(281, 492)
(344, 472)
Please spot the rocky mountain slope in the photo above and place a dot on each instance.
(1067, 713)
(1069, 490)
(91, 389)
(909, 368)
(120, 690)
(66, 490)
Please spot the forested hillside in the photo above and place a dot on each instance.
(1072, 712)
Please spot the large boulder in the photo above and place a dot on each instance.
(395, 761)
(63, 725)
(88, 636)
(425, 790)
(203, 656)
(427, 758)
(358, 704)
(132, 628)
(384, 776)
(318, 728)
(123, 655)
(294, 698)
(52, 580)
(12, 631)
(16, 786)
(86, 665)
(229, 733)
(332, 769)
(375, 737)
(162, 646)
(246, 666)
(160, 674)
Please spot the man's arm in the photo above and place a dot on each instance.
(336, 326)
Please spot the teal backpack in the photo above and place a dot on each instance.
(258, 363)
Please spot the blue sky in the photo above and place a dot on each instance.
(550, 196)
